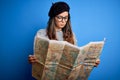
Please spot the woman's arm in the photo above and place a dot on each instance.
(41, 32)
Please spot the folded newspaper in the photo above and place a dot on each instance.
(60, 60)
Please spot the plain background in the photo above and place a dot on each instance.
(92, 20)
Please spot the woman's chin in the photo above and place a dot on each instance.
(61, 26)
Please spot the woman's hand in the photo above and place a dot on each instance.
(97, 62)
(32, 59)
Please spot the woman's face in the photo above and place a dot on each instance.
(61, 20)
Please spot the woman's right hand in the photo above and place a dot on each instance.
(32, 59)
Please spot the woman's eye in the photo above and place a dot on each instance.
(59, 17)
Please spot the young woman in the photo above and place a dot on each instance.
(59, 27)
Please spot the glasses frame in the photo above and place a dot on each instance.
(61, 18)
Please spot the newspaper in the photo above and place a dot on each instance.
(60, 60)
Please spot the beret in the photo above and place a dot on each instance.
(58, 8)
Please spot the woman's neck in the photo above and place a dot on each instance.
(58, 29)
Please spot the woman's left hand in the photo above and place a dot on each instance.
(97, 62)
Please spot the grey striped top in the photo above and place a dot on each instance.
(59, 35)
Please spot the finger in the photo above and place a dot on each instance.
(95, 65)
(30, 55)
(32, 61)
(97, 62)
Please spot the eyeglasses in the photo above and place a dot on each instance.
(60, 18)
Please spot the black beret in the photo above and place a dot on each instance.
(58, 8)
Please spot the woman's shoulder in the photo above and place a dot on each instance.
(41, 32)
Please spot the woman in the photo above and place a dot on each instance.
(59, 27)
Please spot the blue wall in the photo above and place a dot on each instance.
(92, 20)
